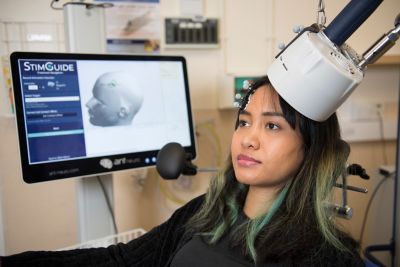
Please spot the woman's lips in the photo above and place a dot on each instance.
(244, 160)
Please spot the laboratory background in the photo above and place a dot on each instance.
(246, 37)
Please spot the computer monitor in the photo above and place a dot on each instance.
(86, 114)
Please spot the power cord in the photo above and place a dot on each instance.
(107, 199)
(53, 7)
(382, 133)
(385, 175)
(385, 178)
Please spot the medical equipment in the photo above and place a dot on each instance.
(92, 114)
(344, 210)
(195, 33)
(173, 160)
(317, 64)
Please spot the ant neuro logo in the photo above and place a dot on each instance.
(106, 163)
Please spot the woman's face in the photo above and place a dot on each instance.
(266, 151)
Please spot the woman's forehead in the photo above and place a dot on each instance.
(265, 98)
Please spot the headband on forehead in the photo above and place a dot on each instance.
(246, 99)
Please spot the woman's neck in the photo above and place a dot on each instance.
(259, 200)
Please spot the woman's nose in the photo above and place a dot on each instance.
(251, 140)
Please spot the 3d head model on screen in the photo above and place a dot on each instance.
(117, 97)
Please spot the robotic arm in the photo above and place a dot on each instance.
(317, 64)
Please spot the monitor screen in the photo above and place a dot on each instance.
(87, 114)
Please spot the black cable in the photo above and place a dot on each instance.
(381, 182)
(385, 178)
(107, 199)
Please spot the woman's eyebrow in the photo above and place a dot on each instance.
(266, 113)
(272, 113)
(244, 112)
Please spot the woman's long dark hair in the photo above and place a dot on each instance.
(301, 218)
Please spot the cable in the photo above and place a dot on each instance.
(107, 199)
(53, 7)
(382, 135)
(369, 205)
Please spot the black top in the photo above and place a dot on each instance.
(198, 252)
(156, 248)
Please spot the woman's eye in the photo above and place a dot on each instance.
(243, 123)
(272, 126)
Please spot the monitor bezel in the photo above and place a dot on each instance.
(41, 172)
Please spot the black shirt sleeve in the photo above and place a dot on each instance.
(152, 249)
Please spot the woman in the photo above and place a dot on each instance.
(269, 207)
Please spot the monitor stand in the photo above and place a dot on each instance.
(94, 218)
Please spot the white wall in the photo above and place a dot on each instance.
(34, 11)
